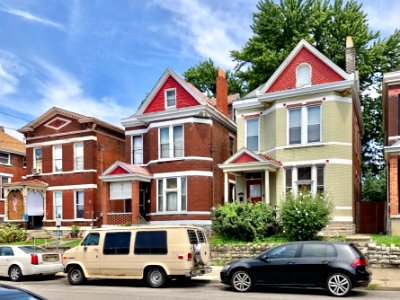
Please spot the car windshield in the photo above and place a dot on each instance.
(33, 249)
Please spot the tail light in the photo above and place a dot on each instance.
(34, 259)
(359, 262)
(190, 256)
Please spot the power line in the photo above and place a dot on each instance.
(10, 115)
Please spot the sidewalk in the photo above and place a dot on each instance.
(382, 279)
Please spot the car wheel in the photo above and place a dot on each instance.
(339, 285)
(241, 281)
(156, 277)
(15, 273)
(76, 275)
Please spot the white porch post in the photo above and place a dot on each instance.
(226, 187)
(266, 188)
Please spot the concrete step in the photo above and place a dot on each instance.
(39, 234)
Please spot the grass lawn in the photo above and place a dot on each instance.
(40, 242)
(380, 239)
(70, 243)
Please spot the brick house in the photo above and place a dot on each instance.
(301, 131)
(174, 143)
(391, 116)
(12, 165)
(65, 154)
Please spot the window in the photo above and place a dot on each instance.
(137, 150)
(303, 76)
(304, 124)
(117, 243)
(171, 141)
(252, 134)
(79, 204)
(37, 160)
(92, 239)
(285, 251)
(58, 201)
(231, 145)
(318, 250)
(57, 158)
(314, 124)
(121, 197)
(3, 180)
(172, 194)
(305, 179)
(170, 98)
(295, 126)
(5, 158)
(151, 242)
(78, 156)
(6, 251)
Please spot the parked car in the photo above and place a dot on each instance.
(335, 266)
(19, 261)
(8, 292)
(152, 252)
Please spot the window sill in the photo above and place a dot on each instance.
(8, 165)
(308, 145)
(169, 213)
(171, 159)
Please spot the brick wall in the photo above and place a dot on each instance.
(393, 94)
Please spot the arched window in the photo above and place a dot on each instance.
(303, 76)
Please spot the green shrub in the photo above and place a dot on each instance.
(10, 233)
(243, 222)
(75, 231)
(302, 216)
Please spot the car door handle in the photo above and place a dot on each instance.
(291, 263)
(325, 261)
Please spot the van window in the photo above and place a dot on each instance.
(117, 243)
(151, 242)
(202, 236)
(192, 236)
(92, 239)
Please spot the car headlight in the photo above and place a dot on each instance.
(226, 268)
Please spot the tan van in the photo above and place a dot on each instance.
(149, 252)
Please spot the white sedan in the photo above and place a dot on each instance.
(18, 261)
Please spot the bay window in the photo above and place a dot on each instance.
(171, 194)
(305, 179)
(171, 142)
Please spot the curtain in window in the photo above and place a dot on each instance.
(314, 120)
(295, 126)
(79, 198)
(137, 150)
(57, 158)
(178, 141)
(172, 201)
(164, 142)
(252, 134)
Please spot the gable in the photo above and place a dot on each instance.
(244, 158)
(57, 123)
(321, 73)
(183, 98)
(118, 171)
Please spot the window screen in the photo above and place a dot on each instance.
(151, 242)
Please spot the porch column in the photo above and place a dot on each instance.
(44, 196)
(266, 188)
(6, 191)
(226, 187)
(105, 199)
(135, 201)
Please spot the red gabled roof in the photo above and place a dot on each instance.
(121, 168)
(244, 158)
(32, 183)
(266, 157)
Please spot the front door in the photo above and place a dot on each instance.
(144, 198)
(254, 190)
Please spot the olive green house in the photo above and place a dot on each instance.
(300, 131)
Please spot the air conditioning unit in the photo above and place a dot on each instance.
(36, 171)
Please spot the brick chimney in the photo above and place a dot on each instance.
(222, 92)
(2, 129)
(350, 56)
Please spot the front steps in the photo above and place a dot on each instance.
(338, 229)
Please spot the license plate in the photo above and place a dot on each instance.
(50, 257)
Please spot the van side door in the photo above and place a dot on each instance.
(88, 253)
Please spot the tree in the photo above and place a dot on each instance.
(203, 76)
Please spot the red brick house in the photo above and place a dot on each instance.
(391, 116)
(174, 143)
(12, 165)
(66, 152)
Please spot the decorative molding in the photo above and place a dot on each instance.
(62, 173)
(63, 141)
(183, 173)
(331, 161)
(72, 187)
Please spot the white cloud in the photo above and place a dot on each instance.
(383, 15)
(30, 17)
(63, 90)
(210, 31)
(10, 68)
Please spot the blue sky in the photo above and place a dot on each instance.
(100, 58)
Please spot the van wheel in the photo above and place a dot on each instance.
(76, 276)
(15, 273)
(156, 277)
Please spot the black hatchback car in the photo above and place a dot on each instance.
(335, 266)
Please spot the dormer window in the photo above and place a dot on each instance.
(303, 75)
(170, 98)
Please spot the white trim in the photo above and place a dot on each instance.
(331, 161)
(59, 134)
(5, 150)
(344, 207)
(394, 137)
(342, 219)
(62, 141)
(178, 159)
(308, 145)
(63, 172)
(68, 220)
(179, 213)
(182, 222)
(72, 187)
(183, 173)
(6, 175)
(59, 127)
(125, 177)
(169, 123)
(165, 98)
